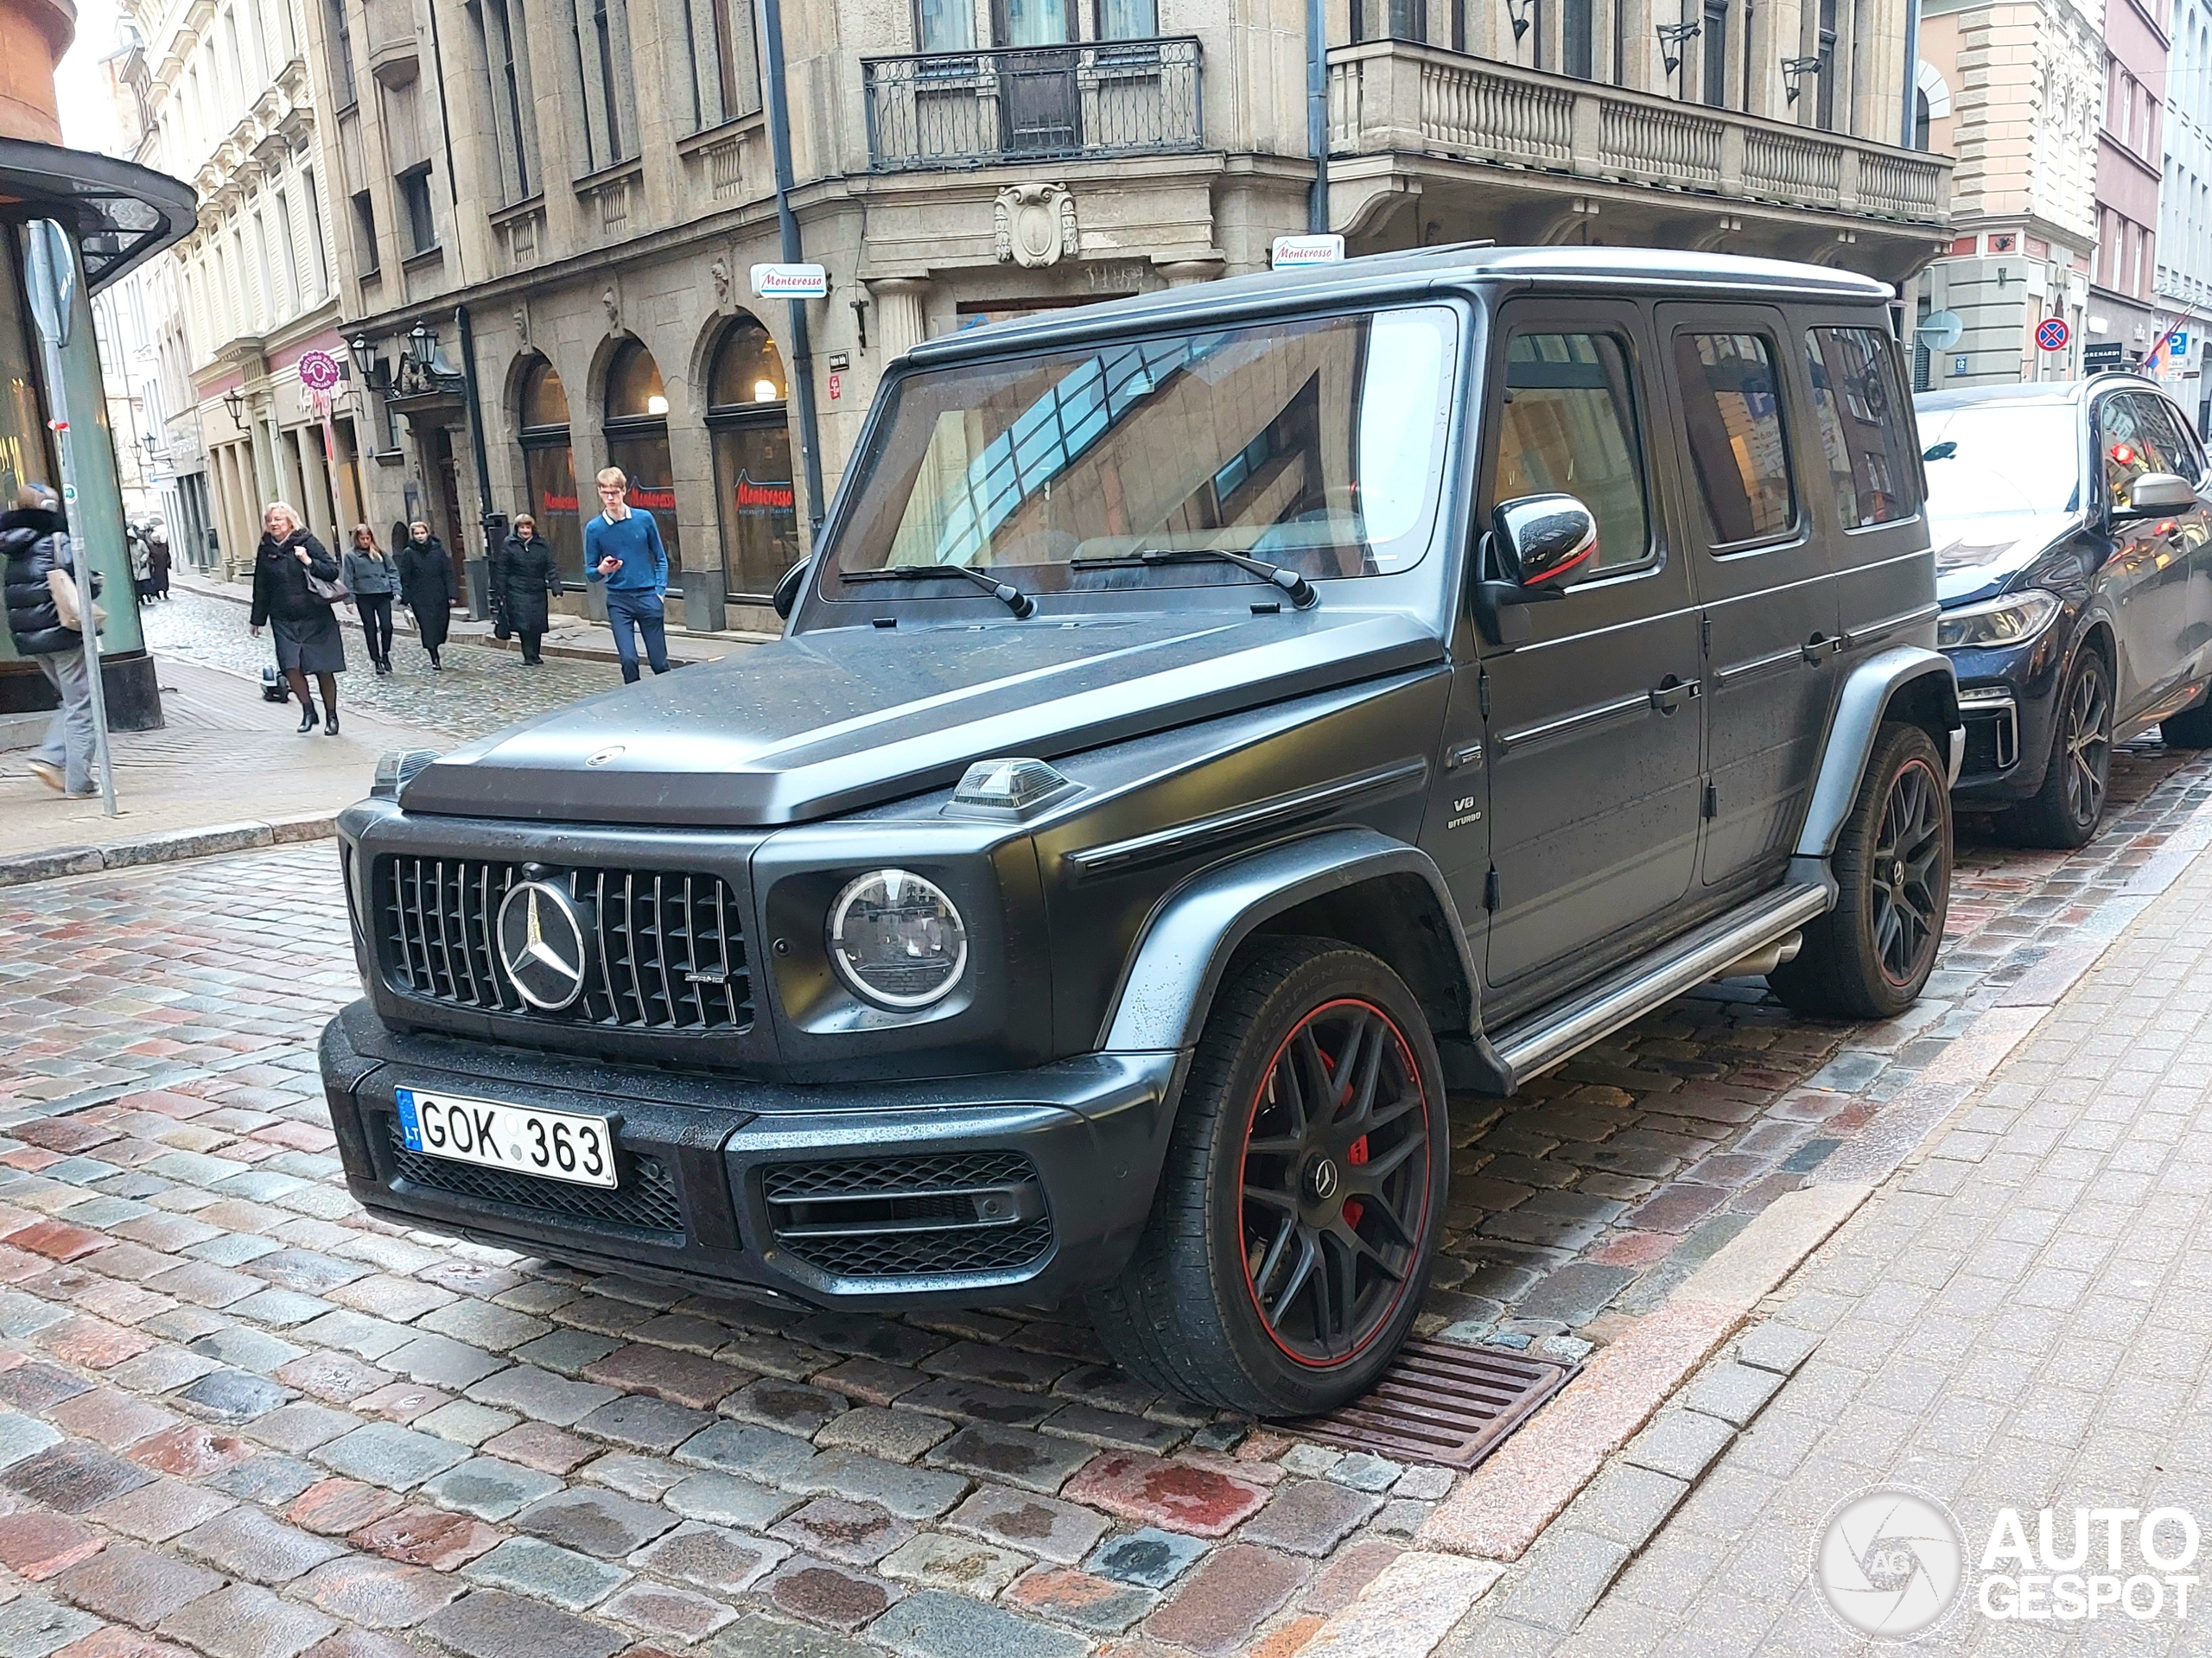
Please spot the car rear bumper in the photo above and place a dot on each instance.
(1015, 1187)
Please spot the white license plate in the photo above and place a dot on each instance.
(553, 1145)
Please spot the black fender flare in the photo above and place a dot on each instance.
(1868, 692)
(1169, 984)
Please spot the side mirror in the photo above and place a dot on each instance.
(1542, 539)
(787, 586)
(2158, 491)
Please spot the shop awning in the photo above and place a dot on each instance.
(121, 212)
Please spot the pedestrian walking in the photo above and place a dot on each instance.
(426, 587)
(623, 548)
(35, 539)
(158, 557)
(304, 620)
(373, 580)
(142, 563)
(524, 578)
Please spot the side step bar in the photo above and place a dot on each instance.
(1561, 1032)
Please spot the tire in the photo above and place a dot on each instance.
(2190, 728)
(2065, 812)
(1228, 1300)
(1868, 957)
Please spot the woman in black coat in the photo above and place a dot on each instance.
(426, 586)
(523, 578)
(307, 639)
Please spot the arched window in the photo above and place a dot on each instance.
(549, 468)
(756, 503)
(637, 438)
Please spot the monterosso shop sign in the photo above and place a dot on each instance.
(791, 282)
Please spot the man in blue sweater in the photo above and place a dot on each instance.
(623, 548)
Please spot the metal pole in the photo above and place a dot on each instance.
(1912, 74)
(779, 139)
(1317, 113)
(488, 517)
(53, 284)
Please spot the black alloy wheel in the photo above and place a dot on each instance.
(1911, 860)
(1869, 956)
(1336, 1177)
(2067, 810)
(1292, 1228)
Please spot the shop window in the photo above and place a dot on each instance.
(636, 439)
(755, 500)
(549, 467)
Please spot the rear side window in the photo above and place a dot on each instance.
(1860, 414)
(2169, 435)
(2134, 437)
(1731, 404)
(1569, 426)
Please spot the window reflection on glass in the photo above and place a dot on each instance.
(1733, 413)
(632, 383)
(944, 25)
(1035, 23)
(1315, 444)
(1569, 426)
(756, 504)
(1127, 20)
(1855, 397)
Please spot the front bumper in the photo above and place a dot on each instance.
(2007, 697)
(1017, 1187)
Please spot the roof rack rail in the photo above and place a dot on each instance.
(1440, 247)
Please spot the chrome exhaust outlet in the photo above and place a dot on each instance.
(1760, 962)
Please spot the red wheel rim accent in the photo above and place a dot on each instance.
(1335, 1183)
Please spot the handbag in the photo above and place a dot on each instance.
(64, 592)
(329, 593)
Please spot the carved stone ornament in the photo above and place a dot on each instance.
(613, 308)
(1035, 224)
(720, 271)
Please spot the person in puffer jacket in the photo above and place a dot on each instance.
(34, 542)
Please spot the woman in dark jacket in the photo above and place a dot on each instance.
(426, 586)
(307, 639)
(523, 578)
(372, 578)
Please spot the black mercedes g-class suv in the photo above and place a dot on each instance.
(1210, 726)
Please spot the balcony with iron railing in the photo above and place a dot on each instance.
(1093, 101)
(1396, 97)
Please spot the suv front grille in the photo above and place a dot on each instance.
(910, 1216)
(668, 948)
(646, 1201)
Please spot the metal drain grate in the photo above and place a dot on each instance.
(1442, 1403)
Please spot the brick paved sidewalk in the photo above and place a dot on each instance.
(252, 1422)
(2017, 1319)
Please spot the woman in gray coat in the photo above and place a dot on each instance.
(373, 579)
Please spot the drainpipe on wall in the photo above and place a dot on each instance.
(780, 138)
(1317, 112)
(494, 524)
(1912, 72)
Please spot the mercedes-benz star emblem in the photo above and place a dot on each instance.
(542, 944)
(1324, 1178)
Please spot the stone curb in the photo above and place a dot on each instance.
(173, 845)
(1509, 1500)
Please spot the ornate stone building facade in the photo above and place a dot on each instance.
(548, 210)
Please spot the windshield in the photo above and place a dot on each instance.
(2002, 457)
(1314, 444)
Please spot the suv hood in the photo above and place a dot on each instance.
(1977, 557)
(838, 719)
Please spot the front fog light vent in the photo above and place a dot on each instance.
(1008, 786)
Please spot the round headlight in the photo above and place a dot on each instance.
(897, 939)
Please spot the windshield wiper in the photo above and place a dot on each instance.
(1301, 591)
(1012, 597)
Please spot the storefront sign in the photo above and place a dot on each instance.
(791, 282)
(318, 370)
(1291, 252)
(836, 385)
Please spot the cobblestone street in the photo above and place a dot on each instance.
(479, 691)
(248, 1420)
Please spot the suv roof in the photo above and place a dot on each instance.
(2038, 391)
(1423, 269)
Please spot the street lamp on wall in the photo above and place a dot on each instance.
(234, 402)
(422, 347)
(1520, 9)
(1794, 71)
(1672, 38)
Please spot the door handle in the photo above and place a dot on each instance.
(1671, 693)
(1818, 646)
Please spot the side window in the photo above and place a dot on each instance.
(1569, 426)
(1864, 430)
(1731, 403)
(2169, 437)
(2128, 444)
